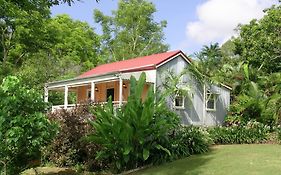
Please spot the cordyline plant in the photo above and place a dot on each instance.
(134, 135)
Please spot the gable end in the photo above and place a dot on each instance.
(188, 60)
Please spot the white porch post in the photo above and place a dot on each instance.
(92, 91)
(65, 96)
(204, 104)
(120, 90)
(46, 94)
(155, 85)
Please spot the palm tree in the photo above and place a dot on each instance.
(210, 58)
(212, 52)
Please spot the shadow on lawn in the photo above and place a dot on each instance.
(186, 166)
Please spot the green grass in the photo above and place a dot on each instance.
(255, 159)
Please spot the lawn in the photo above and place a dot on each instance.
(252, 159)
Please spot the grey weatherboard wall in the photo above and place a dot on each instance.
(194, 112)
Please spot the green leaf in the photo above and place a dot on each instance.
(163, 149)
(118, 165)
(145, 154)
(99, 154)
(127, 150)
(246, 70)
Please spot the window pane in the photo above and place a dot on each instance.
(110, 93)
(89, 94)
(179, 101)
(211, 104)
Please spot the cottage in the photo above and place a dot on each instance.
(207, 105)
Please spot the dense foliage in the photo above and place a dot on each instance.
(69, 148)
(131, 31)
(188, 140)
(24, 31)
(24, 128)
(142, 132)
(74, 50)
(250, 64)
(259, 42)
(278, 131)
(249, 132)
(132, 136)
(40, 48)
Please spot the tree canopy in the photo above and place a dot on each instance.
(75, 50)
(259, 42)
(25, 30)
(131, 31)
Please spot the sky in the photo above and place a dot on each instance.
(191, 23)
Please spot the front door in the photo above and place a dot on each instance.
(110, 92)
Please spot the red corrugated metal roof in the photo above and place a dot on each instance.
(136, 64)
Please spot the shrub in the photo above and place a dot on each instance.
(24, 129)
(262, 108)
(278, 133)
(133, 135)
(247, 107)
(272, 112)
(69, 148)
(250, 132)
(233, 120)
(188, 140)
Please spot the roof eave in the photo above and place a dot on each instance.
(115, 73)
(79, 78)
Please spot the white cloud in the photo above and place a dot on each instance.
(217, 19)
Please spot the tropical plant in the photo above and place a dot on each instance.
(174, 84)
(210, 57)
(211, 52)
(249, 104)
(133, 135)
(272, 90)
(24, 128)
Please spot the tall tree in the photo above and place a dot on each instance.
(227, 48)
(19, 22)
(210, 57)
(75, 39)
(131, 30)
(23, 30)
(74, 51)
(259, 42)
(212, 52)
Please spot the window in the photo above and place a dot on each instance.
(110, 93)
(179, 102)
(89, 93)
(211, 101)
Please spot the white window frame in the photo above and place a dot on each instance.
(183, 99)
(208, 94)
